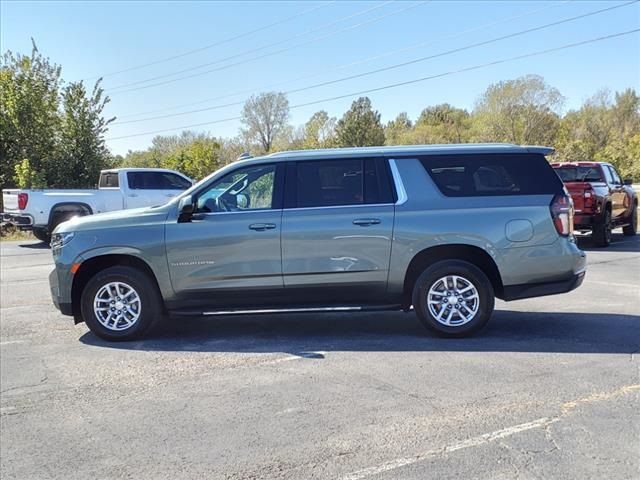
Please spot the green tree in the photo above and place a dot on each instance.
(264, 117)
(81, 152)
(360, 126)
(29, 120)
(319, 131)
(27, 177)
(396, 130)
(60, 132)
(522, 111)
(194, 154)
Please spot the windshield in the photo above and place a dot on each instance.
(579, 174)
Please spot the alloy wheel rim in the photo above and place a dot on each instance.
(117, 306)
(453, 300)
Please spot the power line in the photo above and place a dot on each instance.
(225, 67)
(215, 44)
(395, 66)
(356, 62)
(400, 84)
(279, 42)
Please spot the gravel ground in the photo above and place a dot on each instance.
(551, 389)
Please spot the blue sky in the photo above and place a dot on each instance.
(325, 41)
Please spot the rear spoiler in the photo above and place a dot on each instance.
(540, 150)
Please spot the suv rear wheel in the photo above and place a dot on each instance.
(120, 303)
(453, 298)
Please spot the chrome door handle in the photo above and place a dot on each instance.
(365, 222)
(259, 227)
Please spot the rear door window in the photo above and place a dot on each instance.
(492, 175)
(340, 182)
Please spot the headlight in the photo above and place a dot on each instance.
(59, 240)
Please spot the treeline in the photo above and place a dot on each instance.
(52, 134)
(524, 111)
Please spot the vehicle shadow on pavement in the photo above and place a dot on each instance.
(35, 245)
(305, 334)
(619, 243)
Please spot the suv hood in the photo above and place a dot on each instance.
(134, 217)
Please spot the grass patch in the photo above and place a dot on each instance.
(10, 232)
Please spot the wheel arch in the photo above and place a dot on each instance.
(70, 207)
(98, 263)
(469, 253)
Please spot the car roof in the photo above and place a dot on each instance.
(403, 151)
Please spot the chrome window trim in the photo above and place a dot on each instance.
(255, 210)
(397, 180)
(340, 206)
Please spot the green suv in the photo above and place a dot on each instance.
(442, 229)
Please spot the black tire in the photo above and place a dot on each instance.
(632, 228)
(432, 277)
(42, 234)
(602, 231)
(149, 308)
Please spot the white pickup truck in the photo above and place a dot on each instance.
(118, 189)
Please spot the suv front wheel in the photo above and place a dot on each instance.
(453, 298)
(120, 303)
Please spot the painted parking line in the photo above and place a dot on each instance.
(566, 409)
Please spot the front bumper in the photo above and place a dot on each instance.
(518, 292)
(23, 221)
(61, 301)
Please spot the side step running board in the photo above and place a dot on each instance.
(347, 308)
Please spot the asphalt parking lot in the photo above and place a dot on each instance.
(551, 389)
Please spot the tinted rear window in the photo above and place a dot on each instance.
(580, 174)
(492, 175)
(108, 180)
(327, 183)
(156, 181)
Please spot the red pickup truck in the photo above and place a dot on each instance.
(600, 199)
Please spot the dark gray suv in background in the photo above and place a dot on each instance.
(441, 228)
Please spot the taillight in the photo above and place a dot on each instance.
(562, 214)
(589, 199)
(23, 198)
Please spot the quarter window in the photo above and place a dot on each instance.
(492, 175)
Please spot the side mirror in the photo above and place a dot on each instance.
(628, 181)
(186, 207)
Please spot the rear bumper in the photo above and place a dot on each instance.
(18, 219)
(518, 292)
(583, 222)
